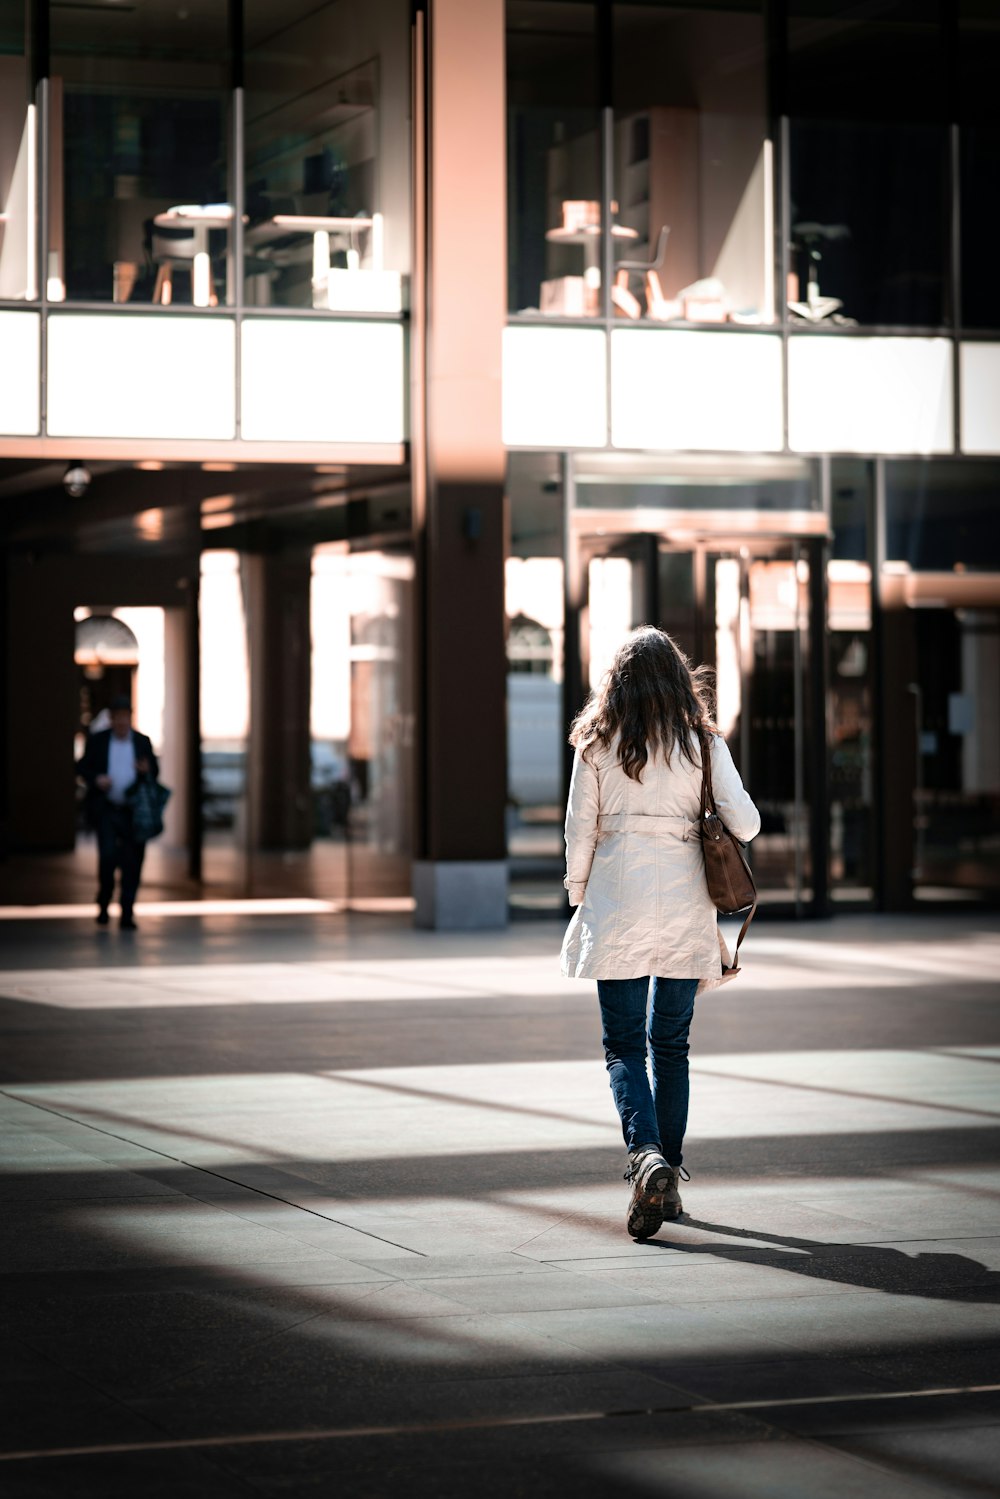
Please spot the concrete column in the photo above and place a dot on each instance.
(460, 874)
(174, 759)
(277, 589)
(43, 703)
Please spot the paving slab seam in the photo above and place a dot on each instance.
(403, 1429)
(204, 1171)
(781, 1082)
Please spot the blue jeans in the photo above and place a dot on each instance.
(659, 1116)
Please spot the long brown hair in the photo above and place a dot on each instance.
(651, 698)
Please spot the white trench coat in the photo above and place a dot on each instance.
(635, 869)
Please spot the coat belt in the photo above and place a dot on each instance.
(684, 828)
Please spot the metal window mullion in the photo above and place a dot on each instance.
(238, 249)
(573, 681)
(607, 196)
(798, 733)
(784, 174)
(41, 258)
(956, 281)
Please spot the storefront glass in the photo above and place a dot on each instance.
(942, 515)
(692, 177)
(18, 165)
(327, 131)
(941, 582)
(553, 159)
(850, 708)
(381, 737)
(536, 661)
(868, 104)
(224, 716)
(978, 70)
(139, 163)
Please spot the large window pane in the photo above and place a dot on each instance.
(851, 690)
(956, 804)
(18, 250)
(224, 715)
(870, 208)
(553, 158)
(381, 735)
(327, 154)
(942, 515)
(979, 69)
(692, 164)
(141, 202)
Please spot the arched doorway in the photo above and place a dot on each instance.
(107, 658)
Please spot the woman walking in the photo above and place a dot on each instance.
(636, 875)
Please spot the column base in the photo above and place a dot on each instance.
(454, 896)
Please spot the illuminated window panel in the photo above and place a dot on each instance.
(719, 392)
(115, 375)
(554, 387)
(323, 381)
(869, 395)
(19, 406)
(980, 365)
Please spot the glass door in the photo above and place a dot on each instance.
(757, 610)
(744, 608)
(956, 792)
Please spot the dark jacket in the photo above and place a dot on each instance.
(94, 763)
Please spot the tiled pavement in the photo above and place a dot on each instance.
(320, 1205)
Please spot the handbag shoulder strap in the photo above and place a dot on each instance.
(743, 931)
(707, 794)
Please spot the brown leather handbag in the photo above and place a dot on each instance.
(730, 882)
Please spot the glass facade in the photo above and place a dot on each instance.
(554, 158)
(869, 164)
(222, 155)
(978, 71)
(140, 193)
(692, 168)
(942, 515)
(722, 196)
(18, 161)
(714, 161)
(325, 155)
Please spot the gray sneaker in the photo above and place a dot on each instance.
(651, 1179)
(672, 1205)
(655, 1192)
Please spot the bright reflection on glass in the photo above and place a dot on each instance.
(713, 391)
(869, 395)
(145, 376)
(225, 676)
(323, 381)
(610, 610)
(361, 720)
(148, 626)
(693, 229)
(535, 591)
(850, 595)
(20, 339)
(18, 185)
(728, 675)
(554, 387)
(773, 595)
(327, 165)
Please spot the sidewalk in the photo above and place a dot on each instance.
(322, 1205)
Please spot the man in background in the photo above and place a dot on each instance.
(113, 760)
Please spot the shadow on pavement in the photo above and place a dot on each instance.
(945, 1277)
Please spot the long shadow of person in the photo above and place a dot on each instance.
(944, 1276)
